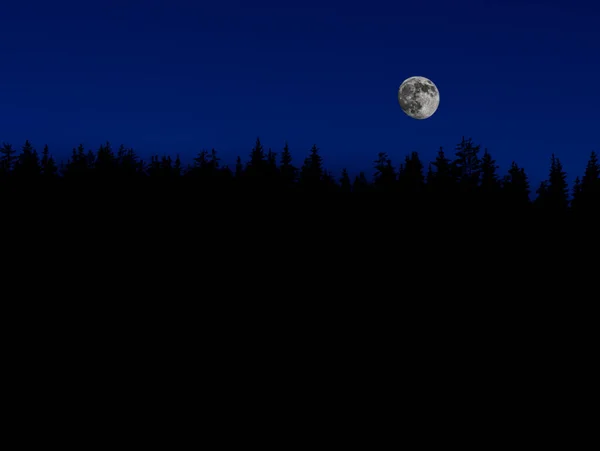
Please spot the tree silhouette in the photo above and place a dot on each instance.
(48, 167)
(288, 172)
(411, 180)
(360, 184)
(490, 187)
(345, 184)
(553, 193)
(577, 190)
(80, 164)
(155, 168)
(468, 180)
(467, 165)
(385, 175)
(256, 168)
(329, 183)
(7, 159)
(272, 163)
(586, 192)
(104, 164)
(311, 172)
(591, 177)
(257, 164)
(441, 181)
(239, 168)
(128, 163)
(27, 165)
(515, 188)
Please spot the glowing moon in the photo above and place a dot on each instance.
(418, 97)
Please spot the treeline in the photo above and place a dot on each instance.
(468, 177)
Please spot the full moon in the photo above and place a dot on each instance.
(418, 97)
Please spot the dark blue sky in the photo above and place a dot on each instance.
(178, 76)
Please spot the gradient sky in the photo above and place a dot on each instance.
(178, 76)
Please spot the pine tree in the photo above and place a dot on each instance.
(256, 168)
(311, 173)
(27, 164)
(154, 168)
(69, 169)
(166, 166)
(361, 184)
(48, 166)
(553, 193)
(7, 159)
(586, 192)
(219, 176)
(80, 163)
(385, 175)
(329, 183)
(201, 160)
(177, 167)
(443, 169)
(591, 176)
(128, 163)
(345, 185)
(515, 187)
(441, 182)
(575, 202)
(490, 186)
(489, 176)
(467, 165)
(105, 164)
(239, 168)
(272, 159)
(214, 160)
(89, 161)
(287, 170)
(430, 175)
(557, 187)
(206, 168)
(411, 179)
(257, 163)
(271, 170)
(541, 201)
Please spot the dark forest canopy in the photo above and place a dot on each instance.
(468, 175)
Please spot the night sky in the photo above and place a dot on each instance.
(178, 76)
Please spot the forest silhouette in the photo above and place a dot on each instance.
(467, 177)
